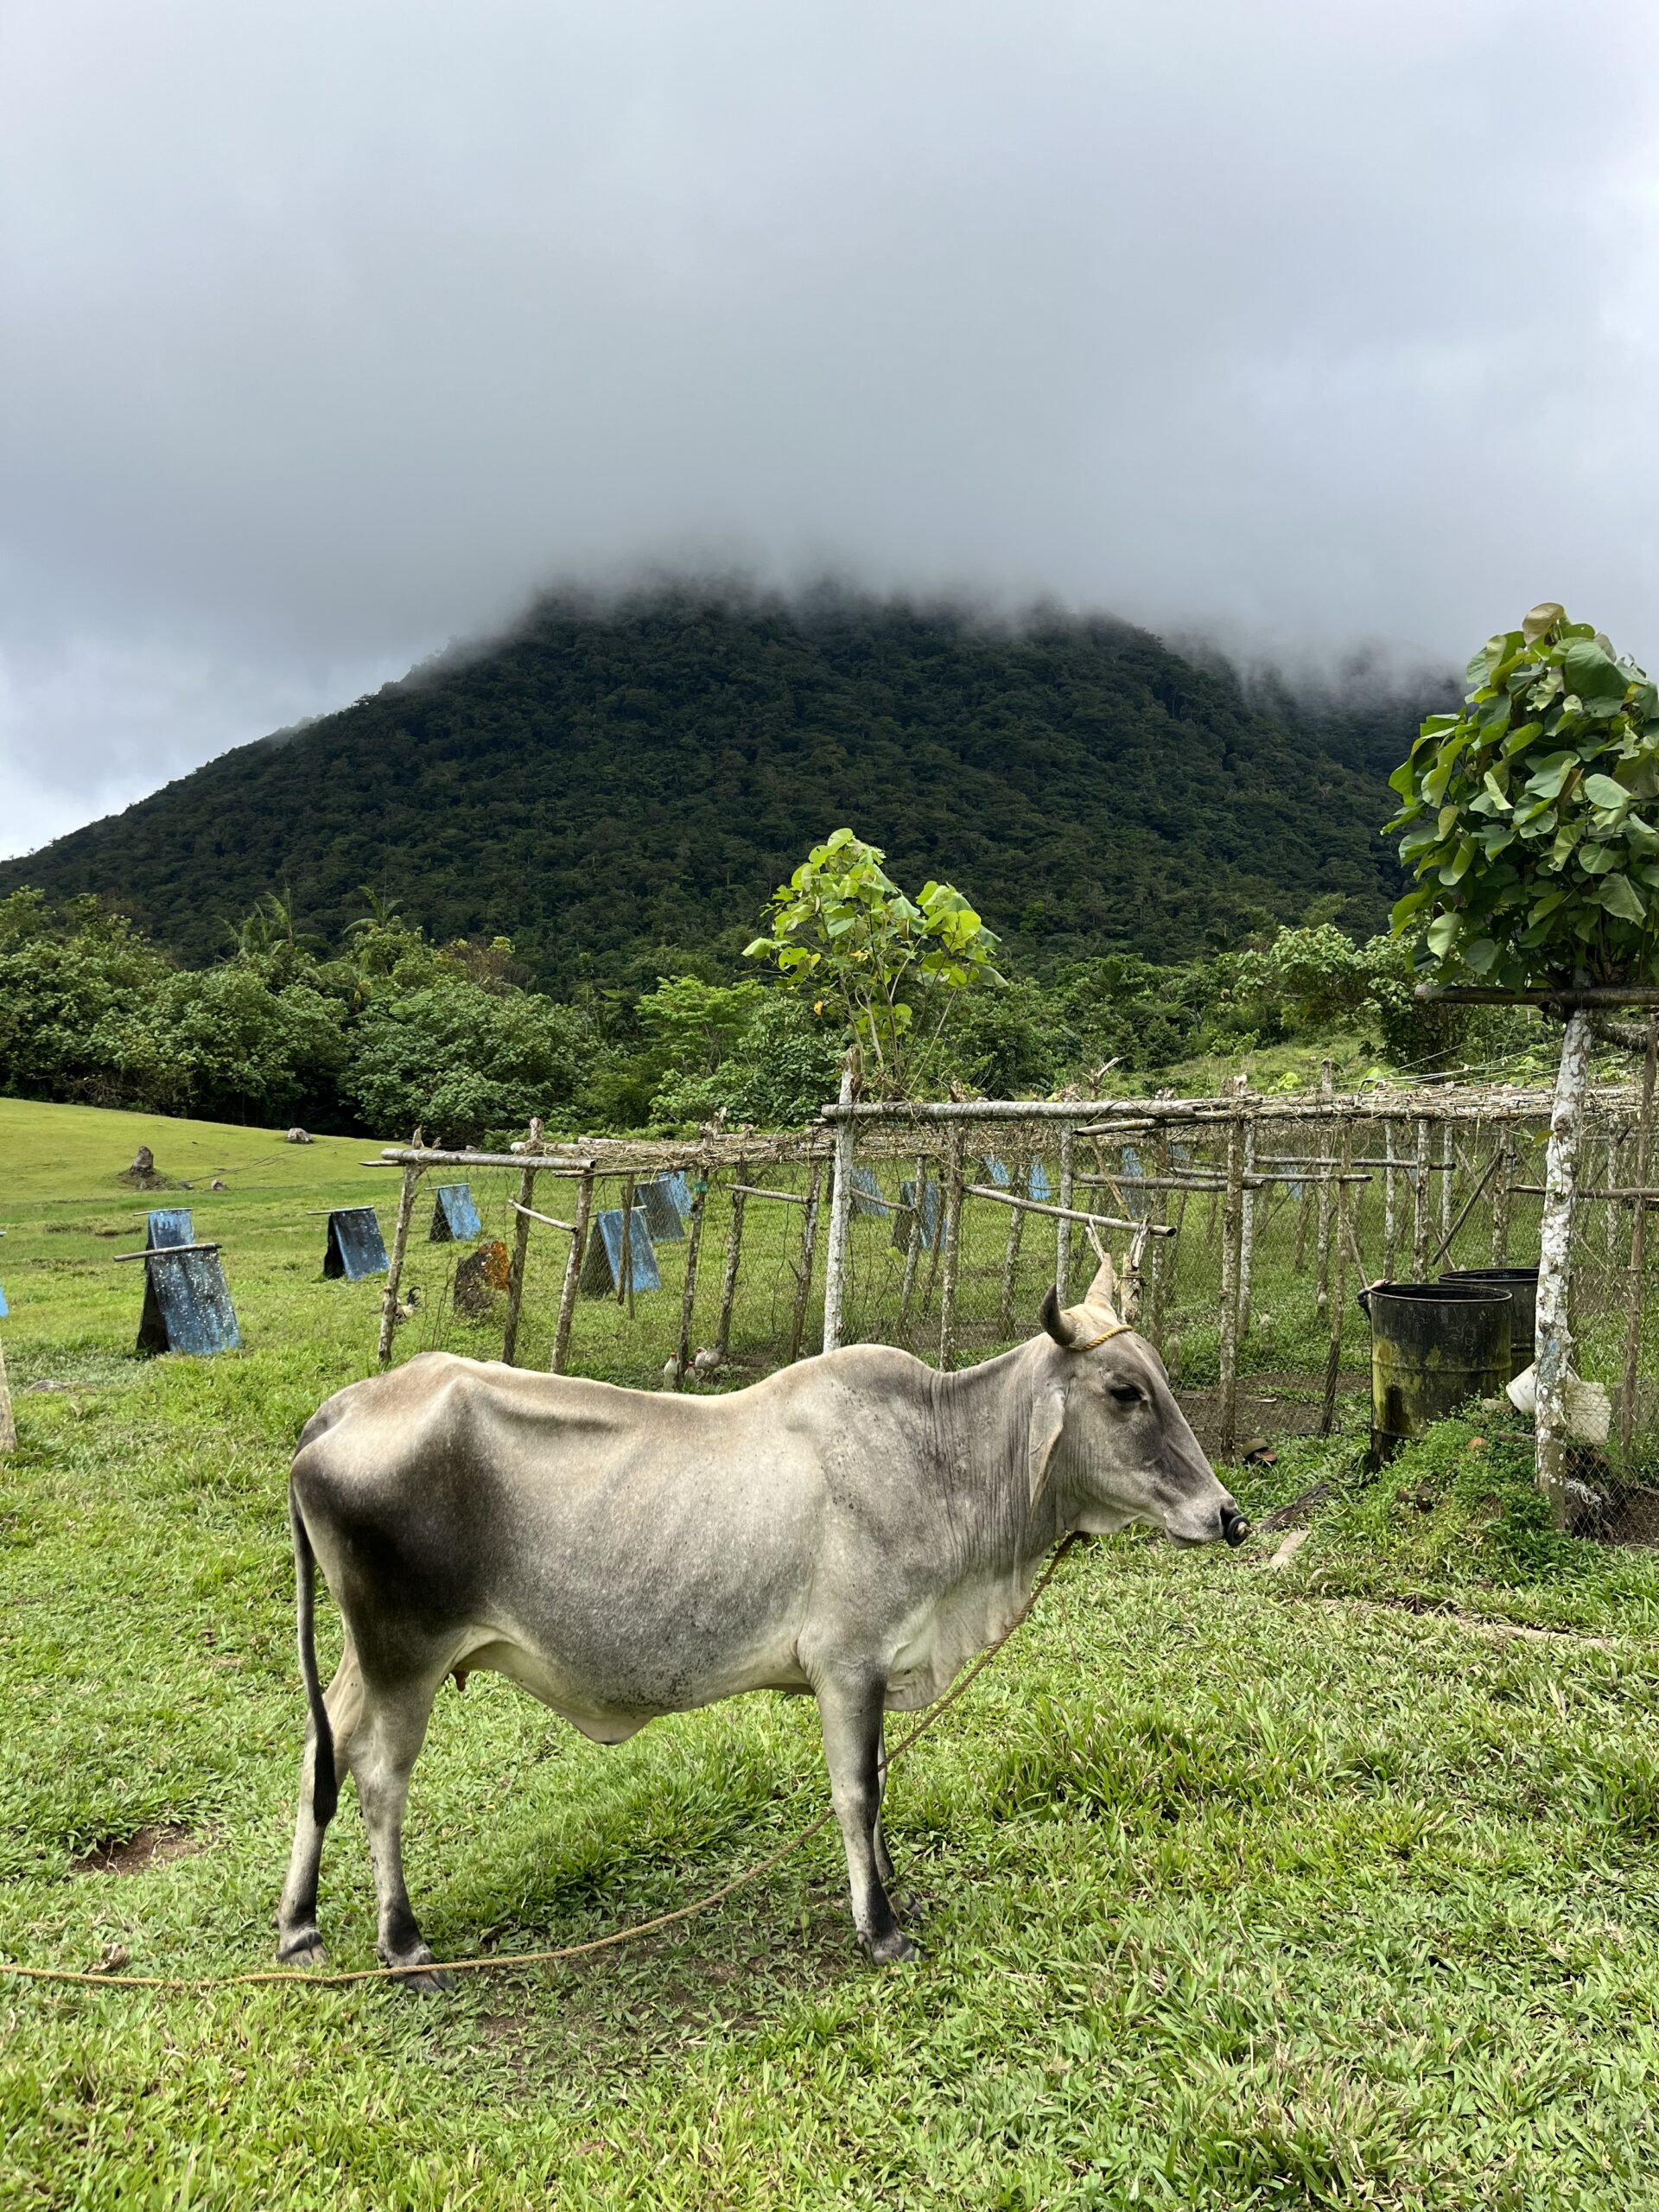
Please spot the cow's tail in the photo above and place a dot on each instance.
(325, 1788)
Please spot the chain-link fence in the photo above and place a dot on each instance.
(1244, 1227)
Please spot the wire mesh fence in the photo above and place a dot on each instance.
(1244, 1227)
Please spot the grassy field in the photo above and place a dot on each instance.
(1335, 1884)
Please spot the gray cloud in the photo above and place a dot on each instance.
(328, 332)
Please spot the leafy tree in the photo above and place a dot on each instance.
(780, 1067)
(1526, 815)
(460, 1060)
(845, 936)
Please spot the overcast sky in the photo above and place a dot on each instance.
(330, 328)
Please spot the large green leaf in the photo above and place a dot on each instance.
(1620, 896)
(1442, 932)
(1592, 673)
(1602, 791)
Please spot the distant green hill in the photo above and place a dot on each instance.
(603, 784)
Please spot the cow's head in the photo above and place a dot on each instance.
(1107, 1431)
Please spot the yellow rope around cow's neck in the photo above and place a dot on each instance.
(303, 1977)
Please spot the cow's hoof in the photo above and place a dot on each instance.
(303, 1947)
(894, 1950)
(418, 1970)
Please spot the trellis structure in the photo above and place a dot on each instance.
(1246, 1222)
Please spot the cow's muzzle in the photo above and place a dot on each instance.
(1234, 1526)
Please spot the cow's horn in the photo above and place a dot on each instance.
(1056, 1323)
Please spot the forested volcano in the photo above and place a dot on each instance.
(604, 784)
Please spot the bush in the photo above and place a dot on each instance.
(458, 1060)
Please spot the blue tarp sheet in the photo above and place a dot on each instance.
(665, 1202)
(928, 1216)
(168, 1225)
(867, 1195)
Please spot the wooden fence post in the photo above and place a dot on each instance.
(395, 1270)
(914, 1242)
(809, 1244)
(1638, 1243)
(1231, 1235)
(572, 1274)
(1448, 1176)
(689, 1290)
(1011, 1250)
(841, 1214)
(515, 1272)
(625, 1274)
(1322, 1292)
(1554, 1340)
(1338, 1281)
(950, 1233)
(1501, 1198)
(734, 1255)
(8, 1423)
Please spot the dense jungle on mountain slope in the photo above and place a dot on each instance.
(616, 786)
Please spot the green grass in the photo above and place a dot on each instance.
(1246, 1888)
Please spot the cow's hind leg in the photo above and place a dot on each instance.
(851, 1707)
(906, 1902)
(387, 1743)
(298, 1940)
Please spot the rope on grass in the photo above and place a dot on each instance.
(303, 1976)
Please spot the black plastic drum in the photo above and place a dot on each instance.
(1521, 1283)
(1435, 1345)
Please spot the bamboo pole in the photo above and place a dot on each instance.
(1448, 1161)
(1231, 1235)
(8, 1421)
(1068, 1213)
(1063, 1228)
(841, 1214)
(1304, 1207)
(951, 1235)
(1638, 1251)
(1555, 1339)
(624, 1272)
(1158, 1214)
(1390, 1204)
(688, 1288)
(1322, 1265)
(395, 1268)
(1420, 1203)
(516, 1270)
(572, 1273)
(809, 1242)
(913, 1244)
(728, 1285)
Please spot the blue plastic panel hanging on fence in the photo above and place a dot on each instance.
(168, 1225)
(187, 1304)
(1037, 1183)
(601, 1271)
(454, 1217)
(867, 1195)
(664, 1216)
(928, 1218)
(356, 1248)
(995, 1171)
(4, 1308)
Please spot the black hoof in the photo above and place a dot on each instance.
(303, 1948)
(893, 1950)
(428, 1980)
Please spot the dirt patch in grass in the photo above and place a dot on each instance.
(135, 1854)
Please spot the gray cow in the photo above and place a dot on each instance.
(857, 1526)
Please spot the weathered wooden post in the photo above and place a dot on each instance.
(1555, 1339)
(1638, 1247)
(688, 1288)
(734, 1257)
(394, 1271)
(520, 1254)
(841, 1214)
(914, 1242)
(572, 1273)
(949, 1232)
(1011, 1250)
(1501, 1196)
(8, 1421)
(809, 1242)
(1232, 1231)
(1448, 1175)
(1390, 1204)
(1157, 1210)
(624, 1272)
(1322, 1293)
(1338, 1286)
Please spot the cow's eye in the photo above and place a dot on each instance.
(1126, 1394)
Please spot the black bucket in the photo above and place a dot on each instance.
(1435, 1345)
(1521, 1283)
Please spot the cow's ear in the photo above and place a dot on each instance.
(1047, 1419)
(1054, 1321)
(1101, 1293)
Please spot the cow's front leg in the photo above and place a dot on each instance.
(850, 1707)
(906, 1902)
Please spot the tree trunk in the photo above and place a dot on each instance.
(840, 1213)
(1554, 1343)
